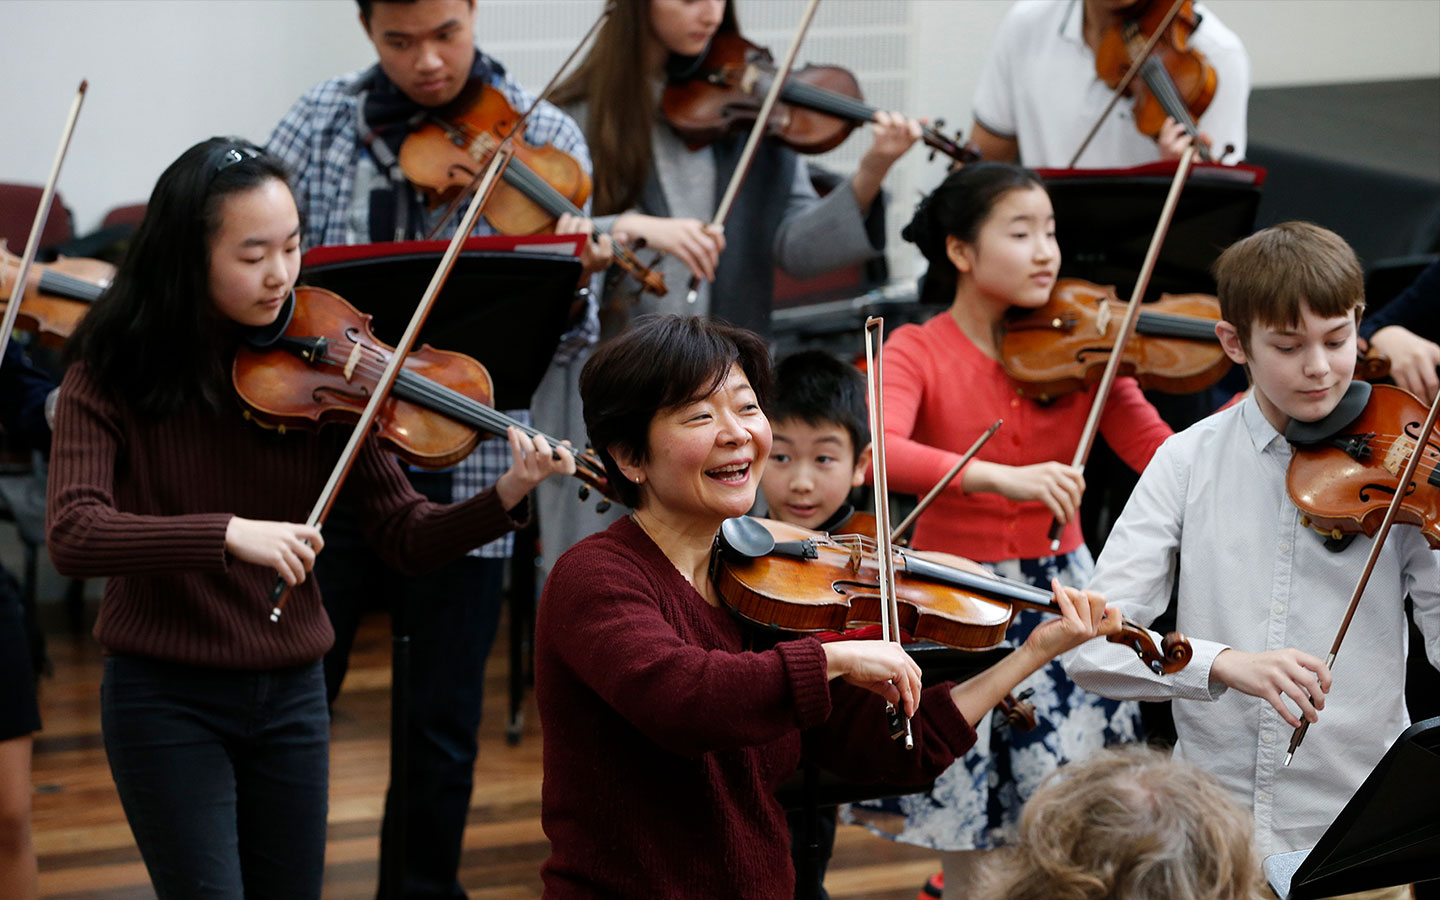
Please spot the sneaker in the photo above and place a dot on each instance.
(934, 887)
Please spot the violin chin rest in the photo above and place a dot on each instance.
(1345, 412)
(746, 537)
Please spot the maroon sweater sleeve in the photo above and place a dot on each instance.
(85, 534)
(414, 535)
(855, 744)
(605, 618)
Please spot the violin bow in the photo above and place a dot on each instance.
(940, 485)
(1127, 327)
(520, 125)
(757, 131)
(42, 213)
(489, 177)
(1128, 77)
(1406, 477)
(889, 605)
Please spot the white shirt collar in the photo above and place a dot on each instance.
(1262, 434)
(1072, 26)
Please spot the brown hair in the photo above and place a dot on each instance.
(1270, 276)
(661, 362)
(1130, 823)
(622, 106)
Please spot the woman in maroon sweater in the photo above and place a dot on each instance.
(664, 738)
(214, 718)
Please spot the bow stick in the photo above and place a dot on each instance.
(1402, 491)
(1128, 77)
(889, 605)
(22, 276)
(757, 131)
(929, 498)
(1127, 327)
(489, 177)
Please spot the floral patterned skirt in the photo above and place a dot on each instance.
(975, 804)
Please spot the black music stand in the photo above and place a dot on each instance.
(1388, 834)
(506, 303)
(1104, 219)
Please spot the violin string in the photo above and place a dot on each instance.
(454, 404)
(1158, 80)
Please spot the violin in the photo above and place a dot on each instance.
(1174, 80)
(442, 157)
(57, 295)
(818, 106)
(789, 578)
(320, 363)
(1063, 346)
(1345, 469)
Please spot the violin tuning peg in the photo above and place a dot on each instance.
(602, 507)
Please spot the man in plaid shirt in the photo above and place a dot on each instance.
(340, 140)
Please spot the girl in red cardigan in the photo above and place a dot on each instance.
(988, 232)
(214, 717)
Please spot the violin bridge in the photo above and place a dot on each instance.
(352, 361)
(856, 558)
(1102, 317)
(1398, 454)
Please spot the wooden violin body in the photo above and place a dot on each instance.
(1344, 482)
(442, 157)
(57, 294)
(540, 184)
(810, 581)
(1064, 345)
(818, 106)
(324, 367)
(1175, 81)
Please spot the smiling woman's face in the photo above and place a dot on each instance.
(706, 456)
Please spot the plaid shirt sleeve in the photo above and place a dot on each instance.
(318, 141)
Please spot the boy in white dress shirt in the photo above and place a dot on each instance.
(1259, 594)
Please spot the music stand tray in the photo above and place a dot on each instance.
(1388, 834)
(1104, 219)
(506, 303)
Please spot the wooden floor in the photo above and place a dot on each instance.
(86, 850)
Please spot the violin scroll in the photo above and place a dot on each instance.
(1173, 654)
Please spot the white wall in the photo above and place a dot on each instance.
(166, 73)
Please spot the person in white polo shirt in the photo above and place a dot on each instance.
(1039, 94)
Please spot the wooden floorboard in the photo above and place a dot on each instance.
(86, 851)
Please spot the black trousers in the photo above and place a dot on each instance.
(224, 775)
(451, 616)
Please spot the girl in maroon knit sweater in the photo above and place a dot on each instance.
(664, 738)
(214, 718)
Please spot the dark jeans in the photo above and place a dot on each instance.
(224, 775)
(451, 615)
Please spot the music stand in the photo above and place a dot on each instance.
(1104, 219)
(1388, 834)
(506, 303)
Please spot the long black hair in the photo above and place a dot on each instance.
(959, 206)
(153, 338)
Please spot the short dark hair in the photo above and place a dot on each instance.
(367, 5)
(658, 363)
(959, 206)
(818, 389)
(153, 338)
(1267, 277)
